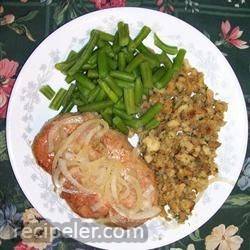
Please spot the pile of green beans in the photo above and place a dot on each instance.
(112, 74)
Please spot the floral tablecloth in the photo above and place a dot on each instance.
(25, 23)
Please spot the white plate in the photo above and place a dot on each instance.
(28, 111)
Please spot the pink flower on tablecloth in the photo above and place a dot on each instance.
(231, 35)
(1, 9)
(223, 238)
(165, 7)
(8, 70)
(103, 4)
(22, 246)
(7, 19)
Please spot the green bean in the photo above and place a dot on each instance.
(69, 62)
(57, 100)
(146, 92)
(110, 93)
(129, 100)
(93, 94)
(121, 61)
(134, 123)
(135, 63)
(107, 116)
(100, 43)
(145, 50)
(138, 91)
(158, 74)
(121, 75)
(68, 107)
(124, 84)
(150, 56)
(88, 66)
(72, 55)
(102, 64)
(101, 96)
(129, 56)
(109, 52)
(84, 81)
(95, 107)
(178, 61)
(112, 63)
(68, 96)
(69, 79)
(83, 91)
(139, 38)
(95, 81)
(146, 74)
(105, 36)
(122, 114)
(92, 74)
(120, 125)
(116, 47)
(47, 91)
(123, 32)
(109, 110)
(85, 55)
(64, 66)
(163, 58)
(137, 72)
(150, 113)
(93, 58)
(78, 102)
(152, 124)
(113, 85)
(153, 61)
(172, 50)
(120, 104)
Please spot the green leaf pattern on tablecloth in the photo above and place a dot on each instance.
(18, 24)
(23, 24)
(238, 200)
(3, 147)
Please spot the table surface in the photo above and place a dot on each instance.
(23, 26)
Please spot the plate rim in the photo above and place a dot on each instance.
(148, 245)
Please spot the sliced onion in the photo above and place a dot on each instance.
(136, 152)
(91, 134)
(150, 213)
(56, 179)
(53, 131)
(137, 187)
(70, 191)
(147, 193)
(70, 139)
(211, 181)
(63, 167)
(107, 190)
(125, 194)
(147, 214)
(102, 174)
(220, 179)
(69, 156)
(198, 197)
(82, 156)
(104, 221)
(114, 187)
(96, 206)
